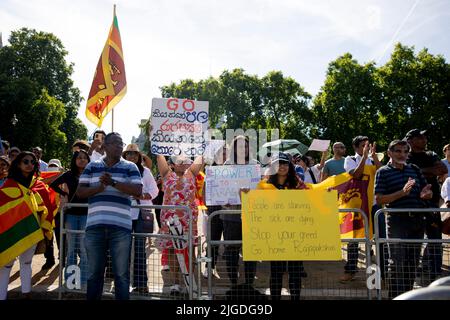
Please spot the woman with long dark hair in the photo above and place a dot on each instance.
(282, 177)
(239, 154)
(74, 218)
(21, 212)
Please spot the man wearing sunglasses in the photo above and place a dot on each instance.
(402, 185)
(108, 183)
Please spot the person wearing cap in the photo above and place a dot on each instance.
(80, 145)
(54, 165)
(43, 166)
(365, 155)
(282, 177)
(298, 165)
(432, 167)
(402, 185)
(4, 166)
(149, 192)
(335, 165)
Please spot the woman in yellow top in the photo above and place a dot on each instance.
(21, 213)
(282, 175)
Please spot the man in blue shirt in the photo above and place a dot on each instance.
(108, 183)
(402, 185)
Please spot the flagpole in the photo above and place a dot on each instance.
(112, 111)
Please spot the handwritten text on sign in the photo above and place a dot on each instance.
(178, 127)
(223, 183)
(281, 225)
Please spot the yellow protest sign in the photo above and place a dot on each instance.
(281, 225)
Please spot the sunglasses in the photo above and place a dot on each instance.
(27, 162)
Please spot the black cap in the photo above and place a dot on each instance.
(280, 157)
(415, 133)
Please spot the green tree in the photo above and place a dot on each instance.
(348, 103)
(409, 91)
(247, 101)
(416, 94)
(37, 61)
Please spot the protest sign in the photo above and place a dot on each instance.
(282, 225)
(319, 145)
(178, 127)
(223, 183)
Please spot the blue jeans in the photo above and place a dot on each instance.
(75, 244)
(98, 240)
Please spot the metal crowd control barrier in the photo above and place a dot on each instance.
(210, 243)
(188, 238)
(380, 241)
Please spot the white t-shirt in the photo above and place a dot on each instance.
(352, 162)
(445, 190)
(43, 166)
(312, 170)
(96, 156)
(150, 187)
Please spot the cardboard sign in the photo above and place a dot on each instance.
(319, 145)
(179, 127)
(223, 183)
(282, 225)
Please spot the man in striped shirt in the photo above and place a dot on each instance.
(402, 185)
(109, 183)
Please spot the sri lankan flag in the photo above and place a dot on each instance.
(20, 214)
(109, 84)
(51, 201)
(352, 193)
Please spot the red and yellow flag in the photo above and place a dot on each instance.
(110, 83)
(22, 213)
(352, 193)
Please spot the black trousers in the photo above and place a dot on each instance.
(277, 269)
(232, 230)
(403, 257)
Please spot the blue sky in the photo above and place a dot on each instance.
(170, 40)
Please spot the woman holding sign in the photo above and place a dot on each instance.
(180, 188)
(283, 176)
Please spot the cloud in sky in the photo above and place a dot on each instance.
(169, 40)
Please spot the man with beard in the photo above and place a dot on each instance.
(431, 167)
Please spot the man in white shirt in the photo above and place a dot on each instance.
(96, 151)
(43, 166)
(355, 166)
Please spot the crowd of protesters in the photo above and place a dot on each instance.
(110, 178)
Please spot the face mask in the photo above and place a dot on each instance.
(53, 169)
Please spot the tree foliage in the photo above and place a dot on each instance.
(409, 91)
(247, 101)
(35, 85)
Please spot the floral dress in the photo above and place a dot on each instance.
(179, 191)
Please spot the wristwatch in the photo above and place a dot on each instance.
(113, 183)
